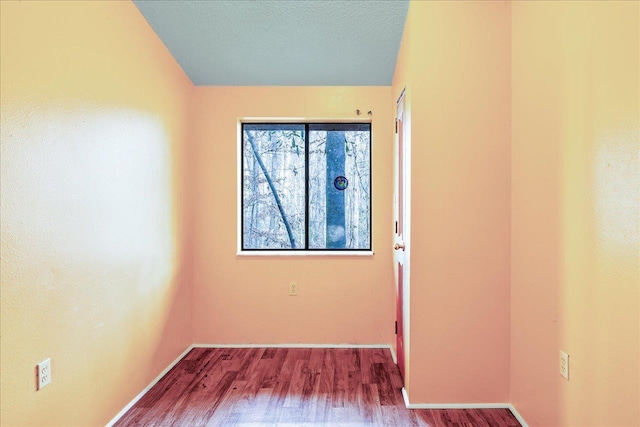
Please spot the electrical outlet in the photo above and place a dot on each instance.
(44, 373)
(293, 289)
(564, 364)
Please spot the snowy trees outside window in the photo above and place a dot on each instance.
(306, 186)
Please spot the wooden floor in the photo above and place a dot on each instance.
(292, 387)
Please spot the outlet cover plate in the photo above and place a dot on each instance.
(44, 373)
(564, 364)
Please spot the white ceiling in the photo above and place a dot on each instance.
(281, 42)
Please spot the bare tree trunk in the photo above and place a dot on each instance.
(273, 189)
(336, 235)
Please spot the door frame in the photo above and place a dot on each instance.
(404, 257)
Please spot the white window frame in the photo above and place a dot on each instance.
(292, 253)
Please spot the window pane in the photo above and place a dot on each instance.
(273, 187)
(340, 186)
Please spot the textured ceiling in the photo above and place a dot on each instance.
(281, 42)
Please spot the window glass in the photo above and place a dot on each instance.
(339, 187)
(306, 187)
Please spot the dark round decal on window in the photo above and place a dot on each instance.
(341, 183)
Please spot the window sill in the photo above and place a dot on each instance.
(305, 253)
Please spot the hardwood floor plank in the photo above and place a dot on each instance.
(273, 368)
(365, 365)
(434, 417)
(327, 376)
(322, 406)
(373, 408)
(340, 378)
(380, 377)
(294, 397)
(316, 361)
(292, 387)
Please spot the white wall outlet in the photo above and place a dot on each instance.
(44, 373)
(564, 364)
(293, 289)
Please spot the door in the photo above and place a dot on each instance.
(401, 247)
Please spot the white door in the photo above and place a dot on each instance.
(401, 243)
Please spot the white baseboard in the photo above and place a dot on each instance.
(147, 388)
(508, 406)
(394, 356)
(518, 416)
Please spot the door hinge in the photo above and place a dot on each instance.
(396, 327)
(396, 125)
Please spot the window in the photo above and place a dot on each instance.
(306, 186)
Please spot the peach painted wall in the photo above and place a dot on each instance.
(93, 131)
(245, 299)
(457, 73)
(576, 208)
